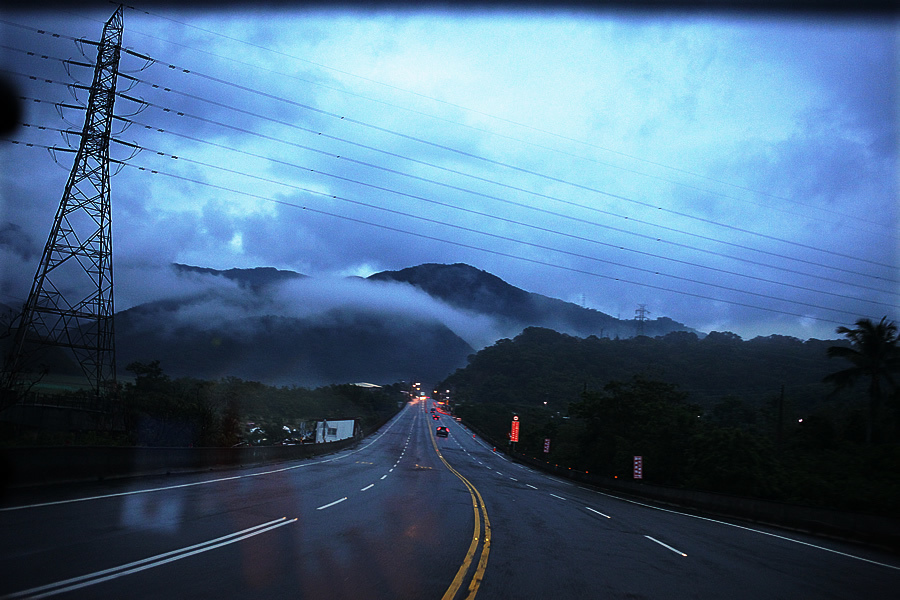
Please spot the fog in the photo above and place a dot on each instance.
(209, 301)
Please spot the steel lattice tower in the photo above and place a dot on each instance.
(71, 299)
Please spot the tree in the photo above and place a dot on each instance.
(640, 416)
(874, 355)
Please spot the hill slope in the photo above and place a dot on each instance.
(268, 329)
(284, 328)
(472, 289)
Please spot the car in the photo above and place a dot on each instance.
(442, 432)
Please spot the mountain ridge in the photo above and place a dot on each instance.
(470, 288)
(284, 328)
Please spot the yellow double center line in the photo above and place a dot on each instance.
(480, 515)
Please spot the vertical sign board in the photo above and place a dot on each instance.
(514, 432)
(546, 445)
(638, 467)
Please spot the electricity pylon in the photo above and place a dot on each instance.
(640, 315)
(71, 299)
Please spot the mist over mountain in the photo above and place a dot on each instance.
(514, 309)
(256, 279)
(285, 328)
(333, 347)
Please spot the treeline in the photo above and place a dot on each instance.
(601, 402)
(158, 410)
(542, 365)
(161, 411)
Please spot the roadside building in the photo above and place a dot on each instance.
(332, 431)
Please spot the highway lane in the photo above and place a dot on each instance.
(555, 539)
(384, 520)
(389, 519)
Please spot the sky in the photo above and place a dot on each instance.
(732, 172)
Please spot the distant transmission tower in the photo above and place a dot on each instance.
(640, 315)
(71, 299)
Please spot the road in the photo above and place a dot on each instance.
(403, 515)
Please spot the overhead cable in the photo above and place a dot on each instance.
(491, 235)
(502, 119)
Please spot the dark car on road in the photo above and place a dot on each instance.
(442, 432)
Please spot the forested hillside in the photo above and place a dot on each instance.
(705, 414)
(541, 365)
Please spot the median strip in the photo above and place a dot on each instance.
(477, 503)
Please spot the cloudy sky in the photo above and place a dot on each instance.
(735, 173)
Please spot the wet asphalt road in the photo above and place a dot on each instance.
(389, 519)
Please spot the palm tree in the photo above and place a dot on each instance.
(874, 354)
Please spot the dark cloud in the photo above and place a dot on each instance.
(692, 166)
(18, 242)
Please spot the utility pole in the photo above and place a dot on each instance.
(71, 299)
(640, 315)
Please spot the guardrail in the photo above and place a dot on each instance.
(878, 530)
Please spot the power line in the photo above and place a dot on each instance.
(493, 182)
(520, 223)
(181, 113)
(458, 188)
(509, 121)
(513, 167)
(499, 253)
(527, 171)
(498, 218)
(681, 232)
(492, 235)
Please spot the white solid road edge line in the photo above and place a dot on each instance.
(332, 503)
(142, 565)
(774, 535)
(665, 545)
